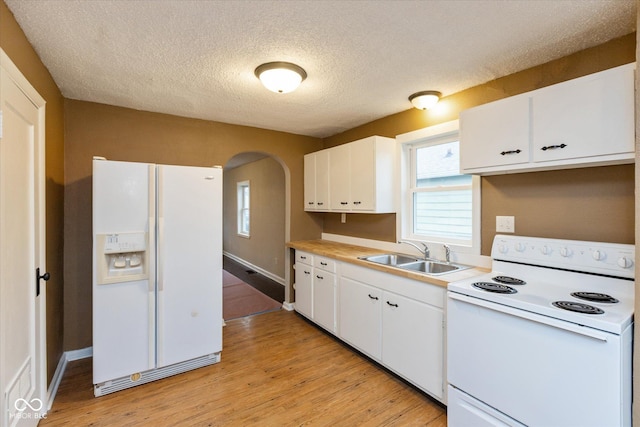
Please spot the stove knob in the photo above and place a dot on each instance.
(597, 255)
(545, 250)
(520, 247)
(565, 252)
(502, 248)
(625, 262)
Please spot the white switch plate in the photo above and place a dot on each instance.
(505, 224)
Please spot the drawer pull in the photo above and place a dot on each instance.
(319, 277)
(553, 147)
(391, 304)
(372, 297)
(357, 203)
(344, 203)
(307, 272)
(518, 151)
(323, 263)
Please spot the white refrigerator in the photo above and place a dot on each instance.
(157, 271)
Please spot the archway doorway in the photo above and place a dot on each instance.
(255, 221)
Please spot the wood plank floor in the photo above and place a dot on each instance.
(276, 370)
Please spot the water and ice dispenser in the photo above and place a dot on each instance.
(122, 257)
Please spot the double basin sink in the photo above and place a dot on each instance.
(406, 262)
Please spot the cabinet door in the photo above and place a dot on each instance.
(589, 116)
(310, 182)
(363, 174)
(495, 134)
(413, 340)
(340, 182)
(304, 289)
(360, 316)
(322, 180)
(324, 299)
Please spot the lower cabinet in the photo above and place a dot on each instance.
(412, 343)
(398, 322)
(361, 316)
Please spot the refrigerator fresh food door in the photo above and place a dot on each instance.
(123, 309)
(189, 263)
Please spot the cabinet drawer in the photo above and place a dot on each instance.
(304, 257)
(323, 263)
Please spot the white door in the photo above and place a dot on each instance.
(22, 322)
(189, 263)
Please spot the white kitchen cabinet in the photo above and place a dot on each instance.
(359, 177)
(413, 334)
(340, 178)
(396, 321)
(585, 118)
(588, 121)
(495, 134)
(316, 181)
(304, 284)
(361, 316)
(324, 292)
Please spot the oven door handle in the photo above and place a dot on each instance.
(549, 321)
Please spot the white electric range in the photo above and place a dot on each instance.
(545, 338)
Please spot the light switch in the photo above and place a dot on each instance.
(505, 224)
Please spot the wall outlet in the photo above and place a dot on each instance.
(505, 224)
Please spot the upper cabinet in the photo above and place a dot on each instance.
(354, 177)
(588, 121)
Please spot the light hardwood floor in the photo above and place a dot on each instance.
(276, 370)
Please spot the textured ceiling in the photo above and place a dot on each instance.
(363, 58)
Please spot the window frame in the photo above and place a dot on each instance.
(241, 208)
(408, 142)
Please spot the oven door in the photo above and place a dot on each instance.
(536, 369)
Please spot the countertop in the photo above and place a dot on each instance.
(350, 253)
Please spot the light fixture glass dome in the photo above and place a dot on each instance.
(425, 99)
(280, 77)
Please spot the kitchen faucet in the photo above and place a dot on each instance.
(447, 253)
(425, 250)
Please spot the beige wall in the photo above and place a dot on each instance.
(16, 46)
(541, 201)
(265, 248)
(130, 135)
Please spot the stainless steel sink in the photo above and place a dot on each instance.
(407, 262)
(390, 259)
(433, 268)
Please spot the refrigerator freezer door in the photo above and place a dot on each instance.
(189, 263)
(123, 313)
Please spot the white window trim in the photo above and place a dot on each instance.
(240, 207)
(405, 204)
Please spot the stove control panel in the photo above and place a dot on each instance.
(594, 257)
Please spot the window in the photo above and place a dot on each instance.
(243, 208)
(439, 204)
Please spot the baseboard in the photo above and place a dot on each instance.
(66, 357)
(260, 270)
(288, 306)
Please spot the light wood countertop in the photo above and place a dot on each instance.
(350, 253)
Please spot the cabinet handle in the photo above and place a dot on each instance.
(323, 263)
(372, 297)
(303, 257)
(391, 304)
(310, 203)
(307, 272)
(319, 277)
(357, 203)
(553, 147)
(344, 203)
(518, 151)
(320, 203)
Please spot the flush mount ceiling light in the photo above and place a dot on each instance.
(425, 99)
(280, 77)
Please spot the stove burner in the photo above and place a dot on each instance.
(578, 307)
(595, 297)
(509, 280)
(494, 287)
